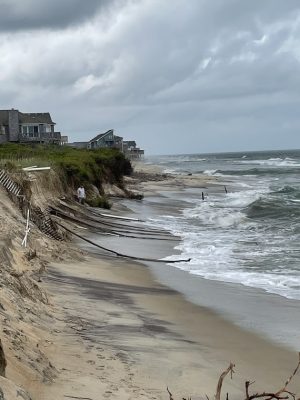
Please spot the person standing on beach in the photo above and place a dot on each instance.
(81, 194)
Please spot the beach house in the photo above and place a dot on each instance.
(107, 139)
(19, 127)
(131, 150)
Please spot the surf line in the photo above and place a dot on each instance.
(120, 254)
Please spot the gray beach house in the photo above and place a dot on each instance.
(19, 127)
(107, 139)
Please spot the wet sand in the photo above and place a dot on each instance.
(130, 336)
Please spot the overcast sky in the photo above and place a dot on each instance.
(178, 76)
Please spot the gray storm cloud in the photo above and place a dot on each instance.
(34, 14)
(177, 76)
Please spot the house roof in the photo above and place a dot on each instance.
(27, 118)
(101, 135)
(31, 118)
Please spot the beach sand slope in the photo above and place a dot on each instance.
(119, 334)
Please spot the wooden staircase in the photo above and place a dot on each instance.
(11, 186)
(40, 218)
(44, 222)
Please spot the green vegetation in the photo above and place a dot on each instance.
(101, 202)
(75, 166)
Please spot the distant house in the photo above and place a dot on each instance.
(110, 140)
(129, 145)
(130, 149)
(16, 126)
(107, 139)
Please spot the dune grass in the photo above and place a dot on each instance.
(75, 166)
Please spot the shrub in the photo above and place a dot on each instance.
(100, 202)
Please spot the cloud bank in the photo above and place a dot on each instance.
(197, 76)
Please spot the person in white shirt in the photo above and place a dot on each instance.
(81, 194)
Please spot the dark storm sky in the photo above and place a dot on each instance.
(178, 76)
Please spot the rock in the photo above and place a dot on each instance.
(132, 194)
(113, 190)
(92, 192)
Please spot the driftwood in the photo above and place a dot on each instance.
(281, 394)
(221, 379)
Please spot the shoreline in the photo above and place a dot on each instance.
(114, 329)
(126, 326)
(265, 314)
(274, 316)
(151, 337)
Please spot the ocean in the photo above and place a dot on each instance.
(247, 236)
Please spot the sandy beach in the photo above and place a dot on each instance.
(129, 336)
(119, 333)
(82, 323)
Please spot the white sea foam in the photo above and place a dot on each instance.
(170, 171)
(221, 241)
(210, 172)
(217, 262)
(272, 162)
(225, 237)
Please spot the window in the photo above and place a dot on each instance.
(30, 130)
(36, 131)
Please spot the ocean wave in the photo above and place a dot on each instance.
(289, 190)
(192, 160)
(249, 236)
(209, 172)
(227, 246)
(216, 258)
(170, 171)
(258, 171)
(272, 162)
(272, 207)
(284, 284)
